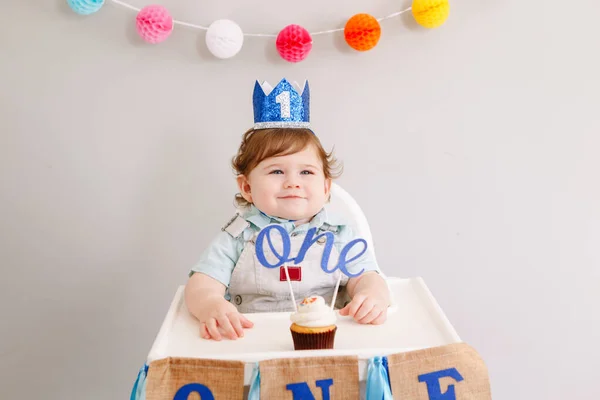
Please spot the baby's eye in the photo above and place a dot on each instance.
(276, 172)
(306, 172)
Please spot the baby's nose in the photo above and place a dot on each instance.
(291, 183)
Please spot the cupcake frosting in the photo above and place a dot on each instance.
(313, 312)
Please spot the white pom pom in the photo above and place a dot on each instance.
(224, 38)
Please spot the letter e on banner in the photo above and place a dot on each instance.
(452, 372)
(434, 387)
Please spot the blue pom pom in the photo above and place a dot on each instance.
(85, 7)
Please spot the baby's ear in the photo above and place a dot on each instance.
(244, 186)
(327, 187)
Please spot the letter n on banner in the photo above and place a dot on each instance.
(452, 372)
(311, 378)
(178, 378)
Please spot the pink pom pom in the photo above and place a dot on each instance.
(294, 43)
(154, 23)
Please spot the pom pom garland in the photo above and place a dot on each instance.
(430, 13)
(85, 7)
(224, 38)
(294, 43)
(362, 32)
(154, 24)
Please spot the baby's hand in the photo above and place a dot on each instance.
(222, 319)
(367, 308)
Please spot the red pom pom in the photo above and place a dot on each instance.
(294, 43)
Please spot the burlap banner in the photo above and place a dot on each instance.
(453, 372)
(334, 378)
(178, 378)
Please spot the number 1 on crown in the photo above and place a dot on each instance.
(283, 99)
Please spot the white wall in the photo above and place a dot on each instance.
(473, 150)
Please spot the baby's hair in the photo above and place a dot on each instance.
(258, 145)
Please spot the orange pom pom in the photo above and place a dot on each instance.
(362, 32)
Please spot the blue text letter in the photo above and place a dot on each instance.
(301, 391)
(344, 253)
(260, 254)
(184, 392)
(433, 384)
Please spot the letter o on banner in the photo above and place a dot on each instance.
(175, 378)
(185, 391)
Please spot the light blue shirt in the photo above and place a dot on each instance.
(221, 256)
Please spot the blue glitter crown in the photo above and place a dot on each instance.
(283, 106)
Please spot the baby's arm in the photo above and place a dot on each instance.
(204, 298)
(370, 299)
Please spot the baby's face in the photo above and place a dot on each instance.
(291, 186)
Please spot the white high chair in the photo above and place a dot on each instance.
(415, 321)
(343, 204)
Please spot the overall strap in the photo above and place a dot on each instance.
(331, 228)
(236, 226)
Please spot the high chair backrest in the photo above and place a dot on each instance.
(343, 204)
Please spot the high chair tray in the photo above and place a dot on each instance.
(415, 321)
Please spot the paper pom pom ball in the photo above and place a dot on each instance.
(224, 38)
(294, 43)
(154, 24)
(430, 13)
(362, 32)
(85, 7)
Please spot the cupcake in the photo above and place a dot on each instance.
(313, 325)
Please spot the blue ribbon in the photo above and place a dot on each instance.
(139, 387)
(387, 371)
(378, 383)
(254, 393)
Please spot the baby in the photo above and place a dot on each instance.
(284, 177)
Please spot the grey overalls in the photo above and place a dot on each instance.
(256, 288)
